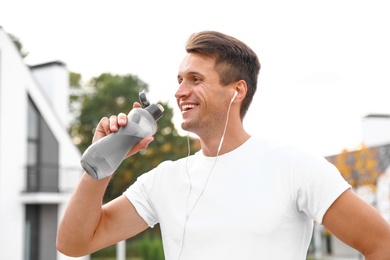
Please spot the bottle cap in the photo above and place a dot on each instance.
(155, 110)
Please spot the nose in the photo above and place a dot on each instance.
(183, 91)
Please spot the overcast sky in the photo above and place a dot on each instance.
(325, 64)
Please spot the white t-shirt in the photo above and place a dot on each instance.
(257, 202)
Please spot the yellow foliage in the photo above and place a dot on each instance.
(358, 167)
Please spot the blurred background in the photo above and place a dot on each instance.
(323, 86)
(324, 64)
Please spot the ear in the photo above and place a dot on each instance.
(241, 89)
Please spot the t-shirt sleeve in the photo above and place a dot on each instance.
(318, 184)
(138, 196)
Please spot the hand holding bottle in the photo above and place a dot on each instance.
(120, 136)
(112, 124)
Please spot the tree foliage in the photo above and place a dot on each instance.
(358, 167)
(75, 94)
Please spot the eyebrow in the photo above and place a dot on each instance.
(190, 73)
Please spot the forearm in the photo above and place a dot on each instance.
(380, 249)
(82, 216)
(382, 254)
(359, 225)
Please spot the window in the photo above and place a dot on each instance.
(40, 231)
(42, 154)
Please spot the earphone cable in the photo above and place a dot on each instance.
(207, 180)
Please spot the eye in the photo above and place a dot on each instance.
(179, 80)
(196, 80)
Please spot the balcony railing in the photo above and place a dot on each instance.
(42, 178)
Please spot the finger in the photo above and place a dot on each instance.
(143, 144)
(114, 123)
(102, 129)
(122, 119)
(136, 105)
(103, 126)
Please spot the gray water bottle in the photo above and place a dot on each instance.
(103, 157)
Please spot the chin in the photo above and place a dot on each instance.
(186, 126)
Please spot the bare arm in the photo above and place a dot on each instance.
(359, 225)
(87, 225)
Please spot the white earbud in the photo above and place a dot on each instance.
(234, 96)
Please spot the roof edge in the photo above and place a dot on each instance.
(46, 64)
(377, 116)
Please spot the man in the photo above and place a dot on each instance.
(239, 197)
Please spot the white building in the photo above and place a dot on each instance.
(39, 164)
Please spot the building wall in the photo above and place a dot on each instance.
(12, 150)
(53, 74)
(17, 82)
(376, 130)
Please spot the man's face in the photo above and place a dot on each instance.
(200, 96)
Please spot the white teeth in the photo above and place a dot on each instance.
(187, 107)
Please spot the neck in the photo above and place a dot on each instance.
(233, 138)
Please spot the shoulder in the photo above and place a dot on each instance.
(273, 149)
(295, 159)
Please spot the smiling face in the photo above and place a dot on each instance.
(202, 99)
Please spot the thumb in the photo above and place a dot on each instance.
(141, 145)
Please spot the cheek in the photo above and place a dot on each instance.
(200, 93)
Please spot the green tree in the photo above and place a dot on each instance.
(75, 95)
